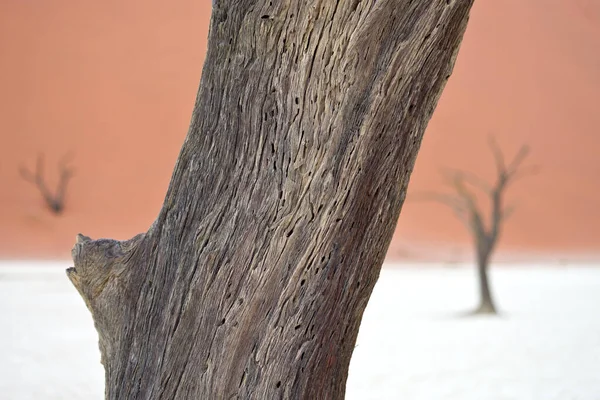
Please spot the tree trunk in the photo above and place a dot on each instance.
(253, 279)
(486, 305)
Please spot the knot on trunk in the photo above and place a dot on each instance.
(100, 275)
(96, 263)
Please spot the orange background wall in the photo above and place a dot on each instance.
(114, 83)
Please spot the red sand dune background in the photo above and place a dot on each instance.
(114, 82)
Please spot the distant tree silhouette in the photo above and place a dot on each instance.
(55, 201)
(465, 206)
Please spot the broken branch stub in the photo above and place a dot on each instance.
(101, 277)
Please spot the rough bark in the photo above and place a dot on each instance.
(253, 279)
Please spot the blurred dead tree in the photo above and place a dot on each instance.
(463, 203)
(54, 200)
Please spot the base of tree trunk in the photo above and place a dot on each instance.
(485, 308)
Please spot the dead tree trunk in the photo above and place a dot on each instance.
(486, 303)
(253, 279)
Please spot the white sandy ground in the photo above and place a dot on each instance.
(413, 343)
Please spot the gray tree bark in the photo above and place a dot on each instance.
(252, 281)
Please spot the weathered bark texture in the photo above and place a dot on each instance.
(253, 279)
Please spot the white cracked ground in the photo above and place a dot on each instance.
(413, 344)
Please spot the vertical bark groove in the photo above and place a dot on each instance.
(253, 279)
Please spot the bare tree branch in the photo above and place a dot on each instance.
(455, 203)
(37, 178)
(508, 211)
(523, 172)
(451, 174)
(457, 183)
(515, 170)
(475, 215)
(65, 174)
(55, 202)
(498, 156)
(518, 160)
